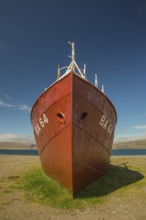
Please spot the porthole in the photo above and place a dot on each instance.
(83, 116)
(60, 117)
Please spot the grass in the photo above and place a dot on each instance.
(41, 189)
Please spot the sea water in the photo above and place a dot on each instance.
(115, 152)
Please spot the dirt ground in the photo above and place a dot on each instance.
(14, 206)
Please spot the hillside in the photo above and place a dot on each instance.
(17, 145)
(136, 144)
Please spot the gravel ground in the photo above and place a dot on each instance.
(14, 206)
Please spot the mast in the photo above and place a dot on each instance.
(73, 50)
(72, 55)
(73, 67)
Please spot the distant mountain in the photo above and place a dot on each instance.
(135, 137)
(136, 144)
(17, 145)
(132, 144)
(14, 138)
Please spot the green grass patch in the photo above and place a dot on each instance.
(41, 189)
(6, 191)
(1, 180)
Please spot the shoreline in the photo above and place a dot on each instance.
(135, 144)
(35, 152)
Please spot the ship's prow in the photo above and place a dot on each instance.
(74, 126)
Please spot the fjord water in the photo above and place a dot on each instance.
(115, 152)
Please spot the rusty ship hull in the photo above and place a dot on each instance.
(74, 125)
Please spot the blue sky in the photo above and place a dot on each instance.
(109, 36)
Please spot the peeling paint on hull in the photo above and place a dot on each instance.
(74, 126)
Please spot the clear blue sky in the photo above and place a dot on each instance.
(110, 37)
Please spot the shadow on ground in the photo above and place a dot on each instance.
(115, 178)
